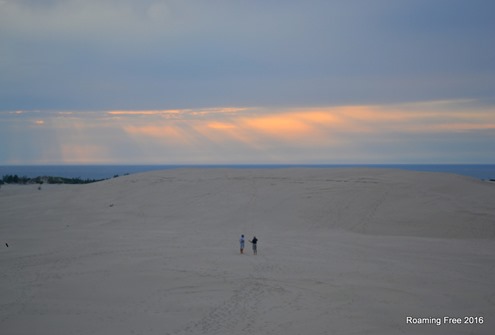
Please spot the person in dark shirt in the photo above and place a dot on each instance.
(254, 242)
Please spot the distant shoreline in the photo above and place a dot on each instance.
(102, 172)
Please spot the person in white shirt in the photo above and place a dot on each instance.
(241, 241)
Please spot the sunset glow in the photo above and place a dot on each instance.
(318, 134)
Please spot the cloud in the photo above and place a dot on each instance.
(245, 80)
(438, 131)
(158, 54)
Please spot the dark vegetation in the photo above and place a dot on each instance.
(15, 179)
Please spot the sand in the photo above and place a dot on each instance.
(340, 251)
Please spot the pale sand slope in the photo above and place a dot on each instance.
(341, 251)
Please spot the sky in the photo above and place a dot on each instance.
(240, 82)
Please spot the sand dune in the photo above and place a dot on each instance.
(341, 251)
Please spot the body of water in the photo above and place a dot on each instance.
(478, 171)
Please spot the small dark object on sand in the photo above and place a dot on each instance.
(7, 245)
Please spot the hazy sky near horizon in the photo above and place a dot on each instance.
(194, 81)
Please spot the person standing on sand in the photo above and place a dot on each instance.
(241, 241)
(254, 241)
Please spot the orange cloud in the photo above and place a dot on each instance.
(284, 125)
(303, 124)
(221, 125)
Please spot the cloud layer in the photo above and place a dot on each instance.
(128, 81)
(153, 54)
(440, 132)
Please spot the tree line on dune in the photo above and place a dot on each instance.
(15, 179)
